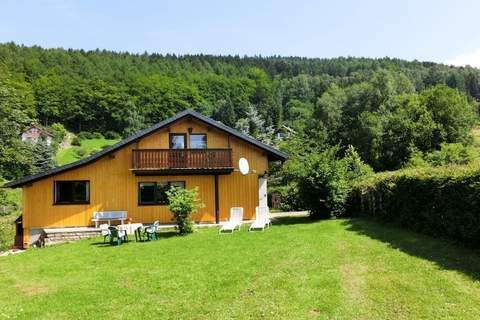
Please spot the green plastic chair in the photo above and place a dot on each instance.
(151, 231)
(120, 235)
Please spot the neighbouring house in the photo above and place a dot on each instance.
(188, 150)
(284, 132)
(35, 133)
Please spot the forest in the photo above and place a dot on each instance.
(342, 117)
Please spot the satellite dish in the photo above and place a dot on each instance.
(243, 166)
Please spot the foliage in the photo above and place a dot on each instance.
(112, 135)
(97, 135)
(59, 132)
(84, 135)
(384, 108)
(322, 180)
(7, 204)
(17, 112)
(76, 141)
(183, 203)
(439, 201)
(7, 231)
(43, 156)
(449, 154)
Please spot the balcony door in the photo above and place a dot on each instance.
(178, 156)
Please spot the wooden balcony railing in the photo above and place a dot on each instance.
(164, 159)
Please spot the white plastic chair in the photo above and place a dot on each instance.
(104, 230)
(236, 220)
(262, 219)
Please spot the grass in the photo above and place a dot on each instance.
(336, 269)
(87, 147)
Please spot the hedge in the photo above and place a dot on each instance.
(442, 202)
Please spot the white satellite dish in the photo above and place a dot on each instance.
(243, 166)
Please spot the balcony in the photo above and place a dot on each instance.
(182, 161)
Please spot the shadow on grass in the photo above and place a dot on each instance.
(131, 239)
(445, 254)
(292, 220)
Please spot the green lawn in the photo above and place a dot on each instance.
(68, 155)
(337, 269)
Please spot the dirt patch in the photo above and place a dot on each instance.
(30, 290)
(353, 279)
(314, 313)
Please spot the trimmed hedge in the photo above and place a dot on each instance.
(442, 202)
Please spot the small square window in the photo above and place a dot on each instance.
(198, 141)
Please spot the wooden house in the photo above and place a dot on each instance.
(188, 150)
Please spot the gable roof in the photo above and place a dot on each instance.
(273, 154)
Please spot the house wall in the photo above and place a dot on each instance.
(114, 187)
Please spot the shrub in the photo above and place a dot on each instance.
(183, 203)
(321, 181)
(84, 135)
(7, 206)
(7, 232)
(452, 153)
(438, 201)
(59, 132)
(323, 185)
(96, 135)
(449, 154)
(81, 152)
(76, 141)
(112, 135)
(93, 151)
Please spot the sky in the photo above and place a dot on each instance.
(429, 30)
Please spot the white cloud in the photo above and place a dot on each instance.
(472, 59)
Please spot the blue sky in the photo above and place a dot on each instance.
(441, 30)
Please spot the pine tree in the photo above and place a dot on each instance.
(43, 156)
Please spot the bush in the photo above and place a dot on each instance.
(59, 132)
(323, 185)
(81, 152)
(183, 203)
(323, 180)
(112, 135)
(84, 135)
(7, 232)
(97, 135)
(93, 151)
(7, 206)
(449, 154)
(76, 141)
(437, 201)
(452, 153)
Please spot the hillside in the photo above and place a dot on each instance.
(86, 148)
(384, 108)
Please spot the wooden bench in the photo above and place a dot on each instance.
(100, 216)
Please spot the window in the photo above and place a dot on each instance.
(177, 141)
(198, 141)
(71, 192)
(153, 193)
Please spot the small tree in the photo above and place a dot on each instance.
(183, 203)
(43, 156)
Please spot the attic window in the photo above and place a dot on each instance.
(198, 141)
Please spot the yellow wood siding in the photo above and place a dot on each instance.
(114, 187)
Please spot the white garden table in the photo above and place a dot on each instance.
(132, 228)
